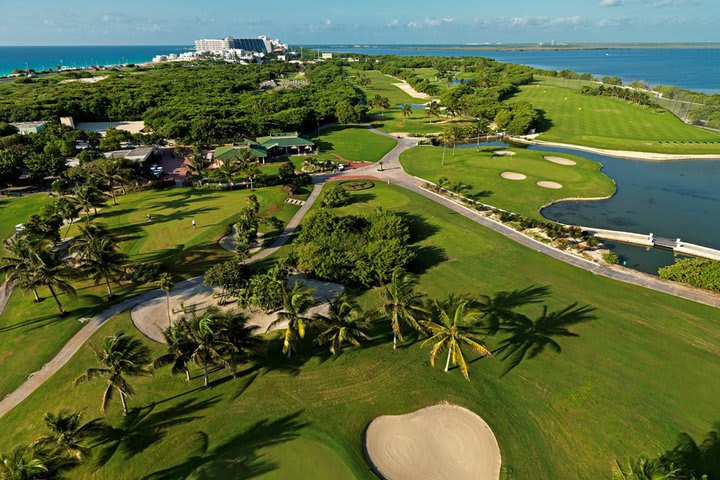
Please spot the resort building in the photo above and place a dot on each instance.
(261, 44)
(268, 148)
(26, 128)
(139, 154)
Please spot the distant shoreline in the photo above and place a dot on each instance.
(535, 47)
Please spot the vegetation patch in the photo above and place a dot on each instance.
(357, 185)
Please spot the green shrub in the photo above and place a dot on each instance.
(694, 271)
(611, 258)
(337, 196)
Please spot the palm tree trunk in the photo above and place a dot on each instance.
(187, 374)
(447, 362)
(289, 354)
(112, 193)
(60, 307)
(37, 297)
(68, 229)
(124, 403)
(394, 339)
(205, 374)
(167, 301)
(109, 288)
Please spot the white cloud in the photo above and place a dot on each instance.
(544, 22)
(394, 23)
(611, 3)
(431, 22)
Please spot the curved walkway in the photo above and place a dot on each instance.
(394, 173)
(73, 345)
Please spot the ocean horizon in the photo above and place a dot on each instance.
(693, 66)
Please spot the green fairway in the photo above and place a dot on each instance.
(14, 211)
(610, 123)
(641, 373)
(355, 144)
(481, 171)
(32, 333)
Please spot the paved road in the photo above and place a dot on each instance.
(78, 340)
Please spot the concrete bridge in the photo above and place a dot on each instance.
(652, 241)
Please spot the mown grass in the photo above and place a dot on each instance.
(481, 169)
(14, 211)
(355, 144)
(32, 333)
(642, 372)
(610, 123)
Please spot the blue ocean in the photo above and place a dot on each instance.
(41, 58)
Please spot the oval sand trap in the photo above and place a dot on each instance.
(553, 185)
(560, 160)
(504, 153)
(438, 442)
(513, 176)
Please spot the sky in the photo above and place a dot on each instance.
(180, 22)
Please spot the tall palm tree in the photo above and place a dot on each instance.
(433, 108)
(198, 165)
(180, 349)
(67, 434)
(118, 357)
(251, 170)
(528, 338)
(50, 269)
(97, 254)
(296, 302)
(17, 266)
(406, 111)
(24, 463)
(345, 323)
(452, 327)
(402, 305)
(68, 210)
(209, 344)
(166, 284)
(642, 469)
(227, 169)
(88, 197)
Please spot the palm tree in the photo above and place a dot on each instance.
(88, 197)
(119, 356)
(180, 349)
(68, 210)
(50, 269)
(529, 338)
(406, 111)
(251, 170)
(98, 255)
(66, 434)
(296, 303)
(24, 463)
(452, 327)
(166, 284)
(111, 174)
(642, 469)
(17, 266)
(227, 169)
(402, 304)
(198, 165)
(209, 344)
(344, 323)
(433, 108)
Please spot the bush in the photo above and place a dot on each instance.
(337, 196)
(611, 258)
(697, 272)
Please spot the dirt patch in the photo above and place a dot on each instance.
(551, 185)
(513, 176)
(439, 442)
(560, 160)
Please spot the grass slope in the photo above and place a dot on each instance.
(610, 123)
(481, 170)
(641, 373)
(14, 211)
(355, 144)
(31, 334)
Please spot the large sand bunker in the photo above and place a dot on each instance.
(151, 317)
(513, 176)
(438, 442)
(560, 160)
(552, 185)
(504, 153)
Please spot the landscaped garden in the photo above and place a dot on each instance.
(561, 414)
(611, 123)
(32, 333)
(508, 178)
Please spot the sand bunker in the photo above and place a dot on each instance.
(513, 176)
(151, 317)
(438, 442)
(553, 185)
(560, 160)
(504, 153)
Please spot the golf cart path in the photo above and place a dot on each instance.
(393, 173)
(39, 377)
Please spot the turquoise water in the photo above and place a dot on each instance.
(691, 68)
(41, 58)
